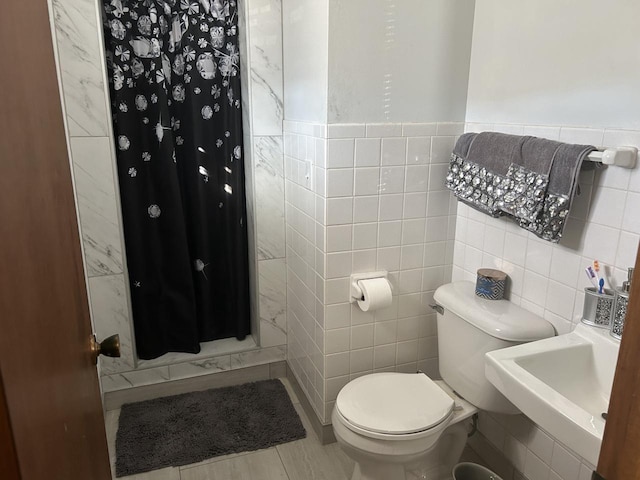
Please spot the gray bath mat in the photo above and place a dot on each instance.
(192, 427)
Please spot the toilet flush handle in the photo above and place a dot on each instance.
(438, 308)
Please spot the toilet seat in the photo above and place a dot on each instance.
(391, 437)
(394, 405)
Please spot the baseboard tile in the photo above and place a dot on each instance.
(323, 432)
(278, 369)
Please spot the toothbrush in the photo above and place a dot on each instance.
(596, 267)
(591, 274)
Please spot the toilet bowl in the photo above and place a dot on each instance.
(418, 426)
(401, 425)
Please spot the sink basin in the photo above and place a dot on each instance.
(561, 383)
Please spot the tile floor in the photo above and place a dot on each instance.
(305, 459)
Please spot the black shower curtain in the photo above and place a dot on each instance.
(175, 97)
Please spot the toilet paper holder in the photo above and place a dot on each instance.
(355, 292)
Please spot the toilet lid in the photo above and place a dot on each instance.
(394, 403)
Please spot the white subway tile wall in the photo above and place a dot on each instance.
(372, 206)
(549, 280)
(516, 448)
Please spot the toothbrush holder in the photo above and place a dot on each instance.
(598, 307)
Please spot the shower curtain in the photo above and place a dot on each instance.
(175, 97)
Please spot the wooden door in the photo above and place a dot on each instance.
(619, 455)
(50, 382)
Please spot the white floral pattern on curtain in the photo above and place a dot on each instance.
(175, 97)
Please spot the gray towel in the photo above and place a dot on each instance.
(471, 175)
(530, 179)
(495, 151)
(562, 187)
(537, 154)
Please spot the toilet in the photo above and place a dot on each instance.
(405, 425)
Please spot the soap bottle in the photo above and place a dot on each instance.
(620, 304)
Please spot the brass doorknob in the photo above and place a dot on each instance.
(109, 347)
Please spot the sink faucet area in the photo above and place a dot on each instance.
(561, 383)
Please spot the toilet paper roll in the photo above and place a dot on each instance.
(376, 293)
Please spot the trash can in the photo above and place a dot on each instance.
(473, 471)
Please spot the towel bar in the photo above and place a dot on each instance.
(620, 156)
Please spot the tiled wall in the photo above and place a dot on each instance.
(540, 94)
(81, 64)
(604, 224)
(266, 97)
(363, 198)
(516, 449)
(78, 36)
(549, 279)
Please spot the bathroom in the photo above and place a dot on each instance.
(351, 110)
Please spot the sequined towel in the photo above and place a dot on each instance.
(529, 179)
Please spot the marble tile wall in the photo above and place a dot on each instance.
(78, 35)
(364, 197)
(264, 21)
(265, 43)
(78, 38)
(81, 67)
(247, 138)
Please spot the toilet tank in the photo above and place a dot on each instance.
(469, 327)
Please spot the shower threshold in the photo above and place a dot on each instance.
(216, 348)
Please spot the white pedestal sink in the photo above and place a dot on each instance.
(561, 383)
